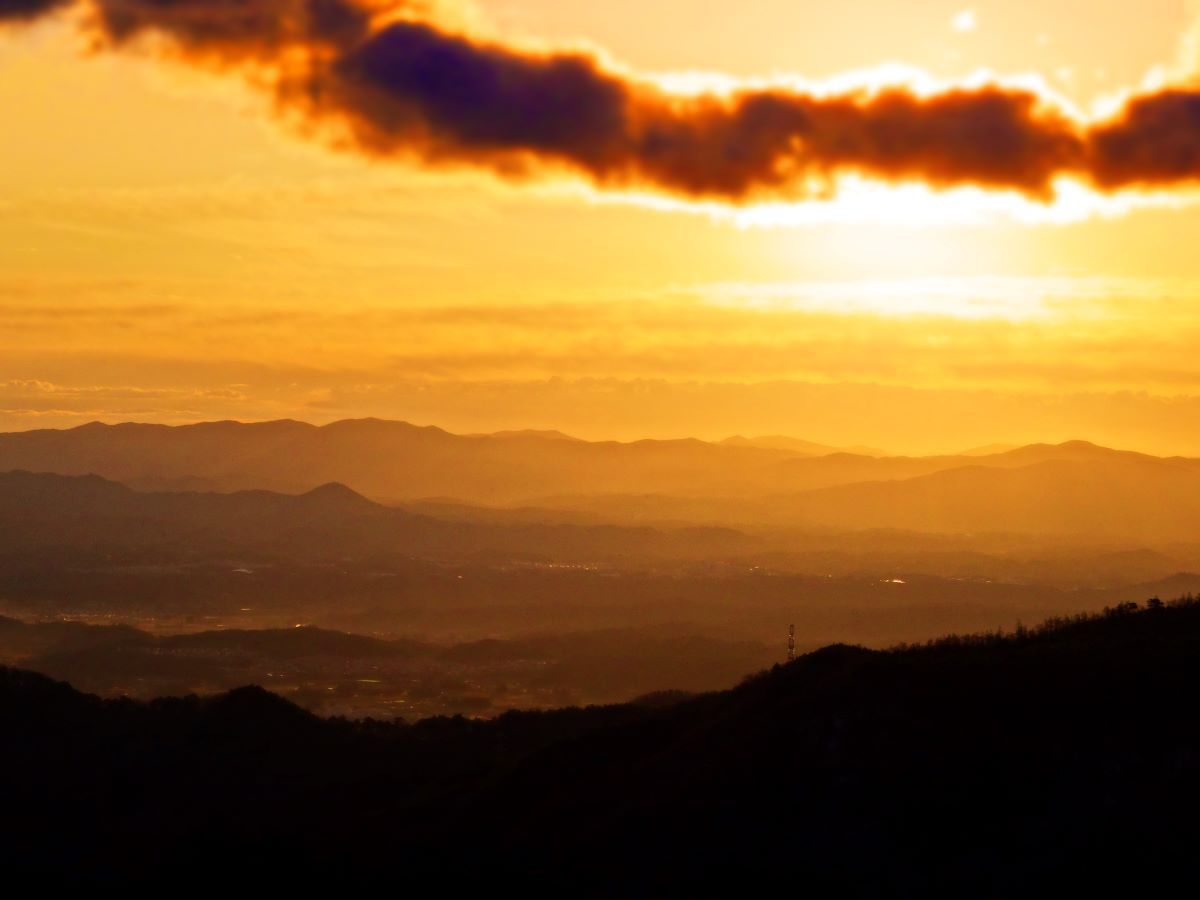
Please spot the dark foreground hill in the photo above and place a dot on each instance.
(1052, 763)
(335, 673)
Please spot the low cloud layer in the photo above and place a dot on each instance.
(388, 80)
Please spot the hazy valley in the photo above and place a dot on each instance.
(600, 450)
(686, 561)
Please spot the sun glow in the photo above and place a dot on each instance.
(854, 200)
(1011, 299)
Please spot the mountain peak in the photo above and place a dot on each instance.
(334, 493)
(544, 434)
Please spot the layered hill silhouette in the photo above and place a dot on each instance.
(384, 460)
(1056, 761)
(1114, 495)
(544, 478)
(56, 512)
(397, 461)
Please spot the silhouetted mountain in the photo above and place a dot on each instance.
(1058, 762)
(385, 460)
(49, 512)
(1088, 491)
(395, 461)
(1076, 489)
(847, 468)
(133, 451)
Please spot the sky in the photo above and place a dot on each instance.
(179, 242)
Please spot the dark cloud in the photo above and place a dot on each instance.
(394, 83)
(235, 29)
(1155, 142)
(28, 10)
(775, 141)
(411, 88)
(409, 83)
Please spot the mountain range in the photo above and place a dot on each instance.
(1069, 489)
(55, 512)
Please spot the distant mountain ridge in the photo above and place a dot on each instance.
(385, 460)
(48, 512)
(1118, 496)
(396, 461)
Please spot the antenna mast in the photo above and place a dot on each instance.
(791, 642)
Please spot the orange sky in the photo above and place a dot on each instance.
(169, 251)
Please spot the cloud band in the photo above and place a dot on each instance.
(391, 82)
